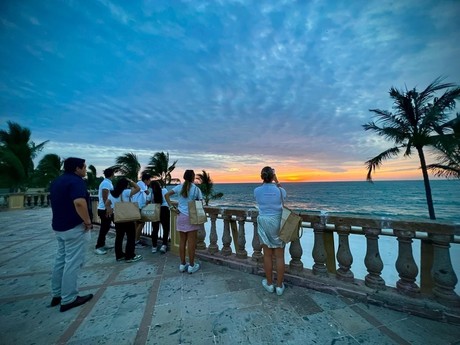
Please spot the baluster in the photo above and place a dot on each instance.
(241, 253)
(29, 200)
(442, 272)
(201, 235)
(405, 264)
(35, 200)
(319, 251)
(257, 248)
(295, 249)
(213, 247)
(42, 200)
(48, 199)
(344, 256)
(226, 238)
(373, 261)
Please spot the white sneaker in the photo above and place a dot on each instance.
(100, 251)
(183, 268)
(154, 249)
(269, 288)
(163, 249)
(280, 290)
(134, 259)
(194, 268)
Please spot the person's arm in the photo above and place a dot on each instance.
(168, 200)
(105, 195)
(275, 178)
(108, 207)
(82, 209)
(134, 188)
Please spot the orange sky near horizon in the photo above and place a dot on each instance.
(397, 169)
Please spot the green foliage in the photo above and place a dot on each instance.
(447, 148)
(49, 167)
(207, 187)
(17, 152)
(159, 168)
(92, 181)
(128, 166)
(415, 123)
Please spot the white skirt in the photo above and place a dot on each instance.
(268, 228)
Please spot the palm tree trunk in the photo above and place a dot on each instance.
(426, 181)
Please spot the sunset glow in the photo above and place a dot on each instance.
(222, 86)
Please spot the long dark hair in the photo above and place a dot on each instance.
(121, 185)
(157, 194)
(189, 177)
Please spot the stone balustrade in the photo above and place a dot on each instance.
(332, 270)
(24, 200)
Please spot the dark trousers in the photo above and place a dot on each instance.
(165, 224)
(104, 228)
(128, 228)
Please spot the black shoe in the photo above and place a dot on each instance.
(55, 301)
(79, 301)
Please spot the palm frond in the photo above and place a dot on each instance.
(376, 162)
(446, 171)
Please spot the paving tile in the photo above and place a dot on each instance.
(150, 302)
(277, 334)
(383, 315)
(352, 322)
(324, 326)
(164, 313)
(217, 304)
(414, 334)
(167, 333)
(110, 338)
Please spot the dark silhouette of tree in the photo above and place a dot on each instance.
(159, 168)
(207, 187)
(17, 152)
(49, 167)
(413, 125)
(128, 166)
(92, 181)
(448, 150)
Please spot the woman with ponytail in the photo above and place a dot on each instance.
(186, 192)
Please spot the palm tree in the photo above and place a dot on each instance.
(92, 181)
(207, 187)
(159, 167)
(47, 170)
(448, 150)
(128, 166)
(16, 156)
(412, 125)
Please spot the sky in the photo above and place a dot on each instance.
(225, 86)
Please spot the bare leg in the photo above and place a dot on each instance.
(182, 243)
(191, 246)
(279, 254)
(139, 227)
(268, 263)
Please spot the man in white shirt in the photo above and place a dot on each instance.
(104, 188)
(142, 198)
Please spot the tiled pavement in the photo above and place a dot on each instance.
(150, 302)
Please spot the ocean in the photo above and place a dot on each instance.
(394, 199)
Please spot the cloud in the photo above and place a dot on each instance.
(223, 83)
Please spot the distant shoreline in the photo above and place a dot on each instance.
(351, 181)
